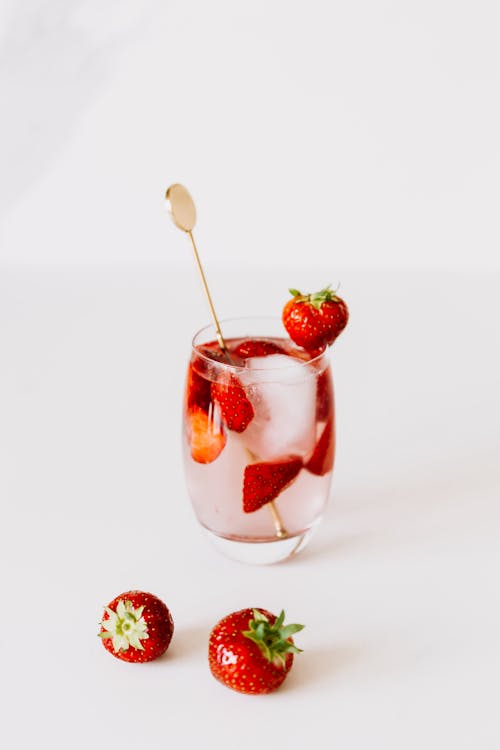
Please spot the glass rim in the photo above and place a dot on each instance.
(269, 318)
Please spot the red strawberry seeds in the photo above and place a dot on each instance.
(314, 321)
(136, 627)
(265, 480)
(252, 651)
(237, 411)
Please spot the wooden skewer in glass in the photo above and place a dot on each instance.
(183, 213)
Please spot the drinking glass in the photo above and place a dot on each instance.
(258, 439)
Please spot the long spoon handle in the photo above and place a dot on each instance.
(183, 213)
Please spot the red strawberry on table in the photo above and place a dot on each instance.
(314, 321)
(321, 461)
(265, 480)
(205, 434)
(251, 650)
(237, 411)
(257, 348)
(136, 627)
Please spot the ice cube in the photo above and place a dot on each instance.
(283, 394)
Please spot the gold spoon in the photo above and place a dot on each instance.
(183, 213)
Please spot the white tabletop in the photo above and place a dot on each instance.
(398, 589)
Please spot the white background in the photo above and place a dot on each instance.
(366, 132)
(353, 143)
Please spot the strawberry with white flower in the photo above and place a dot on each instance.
(136, 627)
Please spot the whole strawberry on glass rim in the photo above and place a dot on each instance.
(136, 627)
(252, 650)
(313, 321)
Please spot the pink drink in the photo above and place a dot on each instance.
(258, 439)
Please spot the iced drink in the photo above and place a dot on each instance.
(258, 439)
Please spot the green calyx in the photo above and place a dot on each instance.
(273, 639)
(127, 627)
(317, 298)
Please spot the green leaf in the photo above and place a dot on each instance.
(272, 639)
(138, 612)
(292, 649)
(295, 293)
(279, 659)
(266, 651)
(250, 635)
(126, 627)
(260, 631)
(135, 642)
(259, 616)
(279, 622)
(290, 630)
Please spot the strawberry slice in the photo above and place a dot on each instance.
(265, 480)
(197, 389)
(324, 396)
(236, 409)
(321, 461)
(198, 382)
(205, 434)
(257, 348)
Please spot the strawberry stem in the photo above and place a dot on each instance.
(126, 626)
(273, 640)
(315, 299)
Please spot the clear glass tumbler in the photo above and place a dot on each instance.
(258, 438)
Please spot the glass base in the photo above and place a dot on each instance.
(260, 553)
